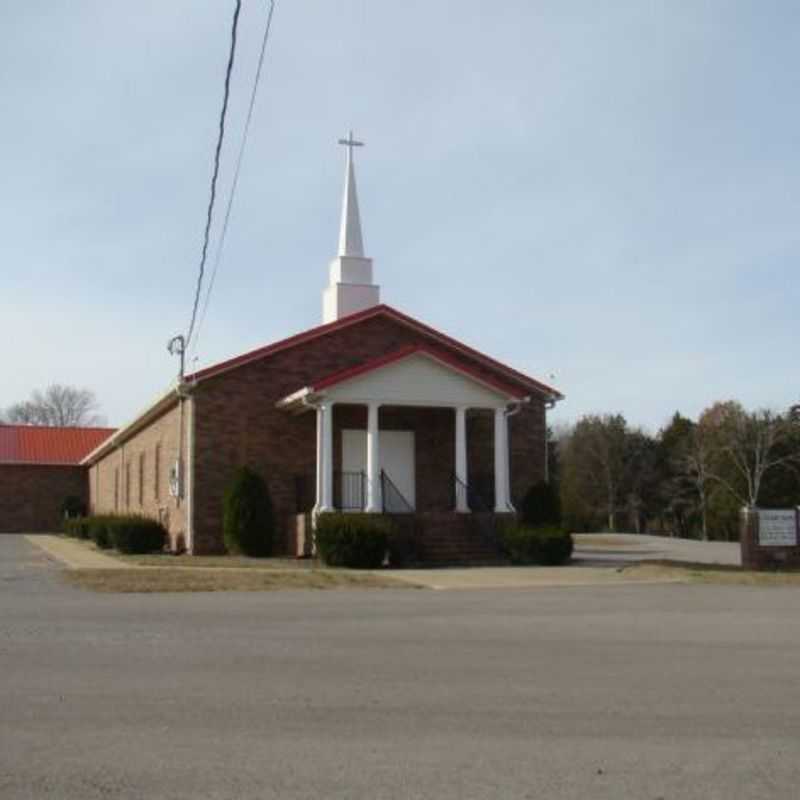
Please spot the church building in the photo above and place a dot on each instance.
(372, 411)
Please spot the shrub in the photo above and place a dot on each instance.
(248, 522)
(541, 506)
(546, 545)
(98, 528)
(352, 540)
(73, 507)
(136, 534)
(77, 527)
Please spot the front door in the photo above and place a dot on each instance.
(396, 458)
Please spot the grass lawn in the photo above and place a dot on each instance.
(155, 579)
(217, 562)
(719, 574)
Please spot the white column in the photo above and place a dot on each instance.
(501, 504)
(462, 501)
(324, 458)
(374, 499)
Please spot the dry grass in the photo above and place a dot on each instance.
(603, 540)
(147, 580)
(718, 574)
(218, 562)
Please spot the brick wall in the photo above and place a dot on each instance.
(237, 423)
(31, 495)
(134, 477)
(764, 557)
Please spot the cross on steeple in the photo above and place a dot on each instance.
(350, 143)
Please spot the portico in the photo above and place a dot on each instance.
(412, 378)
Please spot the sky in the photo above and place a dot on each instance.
(603, 195)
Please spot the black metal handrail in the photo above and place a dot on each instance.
(350, 491)
(475, 501)
(393, 500)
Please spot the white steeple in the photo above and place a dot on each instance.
(350, 241)
(350, 287)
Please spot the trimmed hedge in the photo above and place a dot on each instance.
(352, 540)
(77, 527)
(547, 545)
(99, 531)
(128, 533)
(136, 534)
(248, 522)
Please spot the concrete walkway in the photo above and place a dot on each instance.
(74, 554)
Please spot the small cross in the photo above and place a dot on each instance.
(350, 143)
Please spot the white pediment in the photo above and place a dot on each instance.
(417, 380)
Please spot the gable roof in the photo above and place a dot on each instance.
(31, 444)
(511, 375)
(506, 375)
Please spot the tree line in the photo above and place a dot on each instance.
(690, 479)
(57, 405)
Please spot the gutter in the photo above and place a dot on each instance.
(163, 403)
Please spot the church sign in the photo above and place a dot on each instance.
(777, 528)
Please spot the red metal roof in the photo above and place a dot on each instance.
(438, 355)
(32, 444)
(379, 310)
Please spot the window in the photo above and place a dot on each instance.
(116, 488)
(141, 479)
(157, 472)
(128, 484)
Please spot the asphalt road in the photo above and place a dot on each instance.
(644, 692)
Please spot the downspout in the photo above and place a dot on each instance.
(186, 469)
(510, 412)
(318, 466)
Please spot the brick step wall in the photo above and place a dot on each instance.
(450, 538)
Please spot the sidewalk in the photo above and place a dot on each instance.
(74, 554)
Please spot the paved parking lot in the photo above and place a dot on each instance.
(673, 691)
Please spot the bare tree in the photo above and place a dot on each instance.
(57, 405)
(698, 468)
(594, 462)
(753, 444)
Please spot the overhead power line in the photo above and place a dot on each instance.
(237, 170)
(215, 175)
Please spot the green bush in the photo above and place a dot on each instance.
(77, 527)
(541, 506)
(136, 534)
(99, 531)
(545, 545)
(248, 523)
(73, 506)
(352, 540)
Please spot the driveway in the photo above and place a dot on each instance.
(621, 548)
(659, 691)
